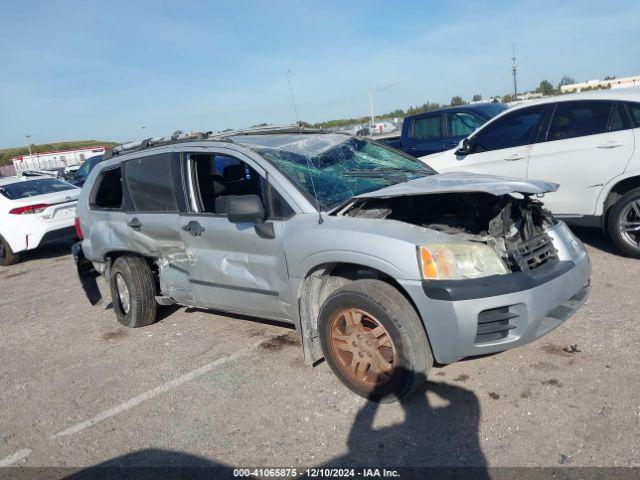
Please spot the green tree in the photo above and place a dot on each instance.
(477, 97)
(506, 98)
(545, 88)
(566, 80)
(457, 100)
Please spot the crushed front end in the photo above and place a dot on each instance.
(540, 280)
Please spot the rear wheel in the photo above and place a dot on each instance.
(7, 257)
(624, 223)
(133, 292)
(373, 340)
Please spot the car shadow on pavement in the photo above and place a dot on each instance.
(440, 429)
(53, 250)
(596, 238)
(439, 432)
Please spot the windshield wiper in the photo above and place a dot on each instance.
(424, 170)
(375, 174)
(387, 172)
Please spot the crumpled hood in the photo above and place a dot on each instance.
(452, 182)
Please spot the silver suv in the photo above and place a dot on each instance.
(383, 265)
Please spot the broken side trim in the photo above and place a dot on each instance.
(181, 270)
(234, 287)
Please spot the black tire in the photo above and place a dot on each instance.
(390, 309)
(7, 257)
(619, 214)
(142, 308)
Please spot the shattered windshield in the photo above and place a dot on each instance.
(332, 167)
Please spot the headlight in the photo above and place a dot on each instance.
(451, 261)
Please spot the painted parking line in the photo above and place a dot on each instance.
(16, 457)
(154, 392)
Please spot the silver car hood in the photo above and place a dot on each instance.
(452, 182)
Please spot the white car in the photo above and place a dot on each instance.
(34, 211)
(588, 143)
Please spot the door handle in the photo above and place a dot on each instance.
(194, 228)
(610, 145)
(450, 145)
(135, 224)
(515, 157)
(411, 148)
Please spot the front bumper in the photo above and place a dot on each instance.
(535, 306)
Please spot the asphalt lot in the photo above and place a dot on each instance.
(77, 389)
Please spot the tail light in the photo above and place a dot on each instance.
(76, 223)
(29, 209)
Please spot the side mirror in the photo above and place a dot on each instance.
(464, 147)
(245, 208)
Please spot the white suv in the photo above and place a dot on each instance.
(588, 143)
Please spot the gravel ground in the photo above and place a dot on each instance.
(77, 389)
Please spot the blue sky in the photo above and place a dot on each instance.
(103, 69)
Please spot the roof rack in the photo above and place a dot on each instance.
(198, 136)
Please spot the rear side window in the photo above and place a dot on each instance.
(427, 128)
(634, 111)
(462, 124)
(107, 194)
(150, 184)
(511, 130)
(619, 120)
(579, 119)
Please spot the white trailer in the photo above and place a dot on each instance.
(56, 161)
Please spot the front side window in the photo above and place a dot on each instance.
(150, 184)
(331, 168)
(579, 119)
(34, 188)
(511, 130)
(217, 178)
(634, 110)
(427, 128)
(462, 124)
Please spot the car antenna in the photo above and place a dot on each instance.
(315, 194)
(293, 101)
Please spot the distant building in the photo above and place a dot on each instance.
(626, 82)
(55, 160)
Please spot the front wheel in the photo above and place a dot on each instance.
(373, 340)
(7, 257)
(624, 223)
(133, 292)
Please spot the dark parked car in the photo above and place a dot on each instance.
(78, 177)
(439, 130)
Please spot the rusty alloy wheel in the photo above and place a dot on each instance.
(362, 347)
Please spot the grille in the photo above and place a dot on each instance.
(494, 324)
(534, 253)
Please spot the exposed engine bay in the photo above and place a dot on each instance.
(515, 227)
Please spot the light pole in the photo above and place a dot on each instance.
(144, 131)
(28, 137)
(514, 70)
(373, 120)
